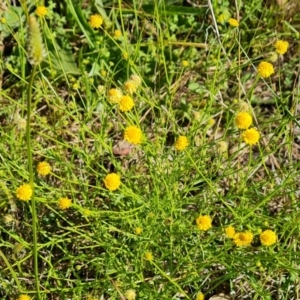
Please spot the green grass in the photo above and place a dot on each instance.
(91, 250)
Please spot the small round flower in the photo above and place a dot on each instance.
(130, 294)
(184, 63)
(137, 79)
(130, 86)
(181, 143)
(268, 237)
(64, 203)
(24, 192)
(204, 222)
(41, 11)
(126, 103)
(233, 22)
(133, 135)
(44, 168)
(265, 69)
(117, 34)
(8, 219)
(243, 120)
(138, 230)
(114, 96)
(243, 238)
(230, 232)
(223, 146)
(24, 297)
(96, 21)
(281, 46)
(3, 20)
(251, 136)
(200, 296)
(148, 256)
(112, 181)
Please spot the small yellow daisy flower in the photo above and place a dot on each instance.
(130, 294)
(281, 46)
(251, 136)
(126, 103)
(133, 135)
(3, 20)
(181, 143)
(204, 222)
(243, 238)
(233, 22)
(130, 86)
(24, 192)
(96, 21)
(265, 69)
(117, 34)
(138, 230)
(200, 296)
(243, 120)
(230, 232)
(148, 256)
(184, 63)
(24, 297)
(64, 202)
(114, 96)
(112, 181)
(41, 11)
(44, 168)
(268, 238)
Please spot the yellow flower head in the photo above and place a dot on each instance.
(251, 136)
(126, 103)
(24, 192)
(204, 222)
(114, 96)
(130, 294)
(41, 11)
(43, 168)
(265, 69)
(243, 120)
(137, 79)
(133, 135)
(138, 230)
(8, 219)
(200, 296)
(181, 143)
(230, 232)
(117, 34)
(96, 21)
(24, 297)
(130, 86)
(64, 203)
(184, 63)
(112, 181)
(233, 22)
(268, 238)
(281, 46)
(3, 20)
(223, 146)
(243, 238)
(148, 256)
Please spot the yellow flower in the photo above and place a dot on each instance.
(148, 256)
(265, 69)
(138, 230)
(203, 222)
(130, 86)
(243, 238)
(184, 63)
(112, 181)
(230, 232)
(96, 21)
(181, 143)
(130, 294)
(8, 219)
(3, 20)
(133, 135)
(243, 120)
(136, 78)
(281, 46)
(126, 103)
(24, 297)
(114, 96)
(251, 136)
(24, 192)
(64, 203)
(43, 168)
(200, 296)
(117, 34)
(223, 146)
(233, 22)
(268, 238)
(41, 11)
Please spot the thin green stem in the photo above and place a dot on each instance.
(31, 182)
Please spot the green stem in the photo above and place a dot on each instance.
(31, 182)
